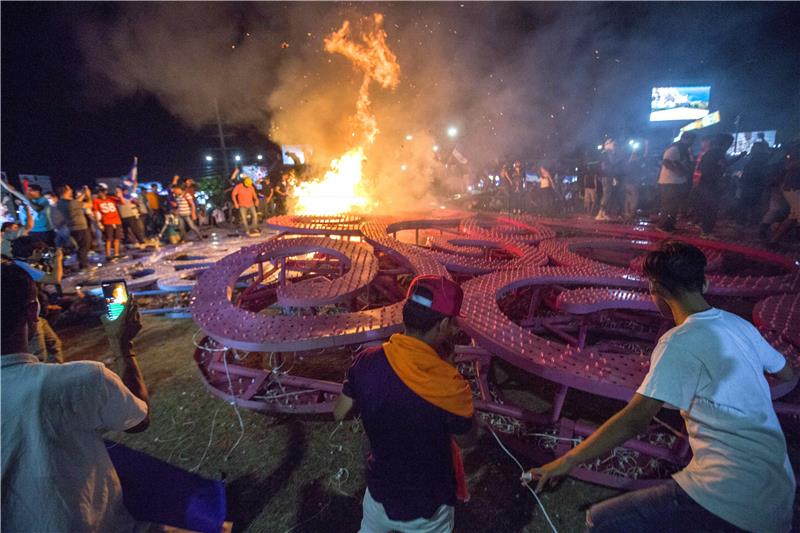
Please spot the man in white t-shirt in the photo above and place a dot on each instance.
(711, 366)
(674, 181)
(57, 475)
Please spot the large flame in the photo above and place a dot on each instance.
(342, 188)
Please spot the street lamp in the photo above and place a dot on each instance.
(209, 158)
(237, 158)
(259, 157)
(452, 131)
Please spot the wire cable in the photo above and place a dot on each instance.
(522, 469)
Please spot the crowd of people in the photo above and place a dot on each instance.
(756, 189)
(105, 220)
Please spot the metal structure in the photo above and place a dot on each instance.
(563, 300)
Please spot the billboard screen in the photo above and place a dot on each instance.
(743, 141)
(679, 103)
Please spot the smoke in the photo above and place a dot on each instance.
(189, 55)
(517, 80)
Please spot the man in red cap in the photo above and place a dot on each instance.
(412, 403)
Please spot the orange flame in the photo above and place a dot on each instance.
(341, 189)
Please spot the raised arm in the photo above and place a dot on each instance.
(120, 336)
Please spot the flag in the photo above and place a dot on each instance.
(133, 174)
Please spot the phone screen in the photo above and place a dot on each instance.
(115, 294)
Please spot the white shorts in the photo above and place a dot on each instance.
(376, 521)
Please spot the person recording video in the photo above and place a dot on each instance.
(57, 474)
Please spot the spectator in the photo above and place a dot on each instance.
(265, 198)
(632, 178)
(108, 220)
(610, 173)
(711, 366)
(14, 230)
(791, 192)
(57, 475)
(155, 210)
(282, 192)
(517, 177)
(708, 191)
(186, 211)
(589, 191)
(9, 232)
(547, 193)
(217, 216)
(26, 253)
(753, 183)
(171, 231)
(69, 214)
(412, 402)
(129, 213)
(673, 180)
(694, 209)
(40, 209)
(245, 198)
(777, 208)
(88, 211)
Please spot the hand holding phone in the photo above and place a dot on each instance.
(121, 323)
(115, 294)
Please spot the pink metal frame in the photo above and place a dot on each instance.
(508, 256)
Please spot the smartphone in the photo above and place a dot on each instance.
(115, 294)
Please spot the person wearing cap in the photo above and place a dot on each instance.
(414, 405)
(245, 199)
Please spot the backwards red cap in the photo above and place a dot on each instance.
(446, 295)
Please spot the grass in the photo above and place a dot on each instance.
(301, 473)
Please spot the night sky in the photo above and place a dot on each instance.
(565, 84)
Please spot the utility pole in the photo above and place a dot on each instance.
(222, 141)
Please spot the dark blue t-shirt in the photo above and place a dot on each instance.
(410, 465)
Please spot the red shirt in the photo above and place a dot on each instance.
(107, 207)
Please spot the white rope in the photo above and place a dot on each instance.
(210, 439)
(522, 469)
(235, 407)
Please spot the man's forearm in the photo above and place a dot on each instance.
(615, 431)
(131, 373)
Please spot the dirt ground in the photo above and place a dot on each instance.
(292, 473)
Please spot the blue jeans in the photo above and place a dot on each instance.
(663, 508)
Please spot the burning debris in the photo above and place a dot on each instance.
(342, 188)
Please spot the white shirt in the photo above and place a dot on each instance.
(712, 368)
(57, 475)
(667, 176)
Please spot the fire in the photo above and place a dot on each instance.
(342, 188)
